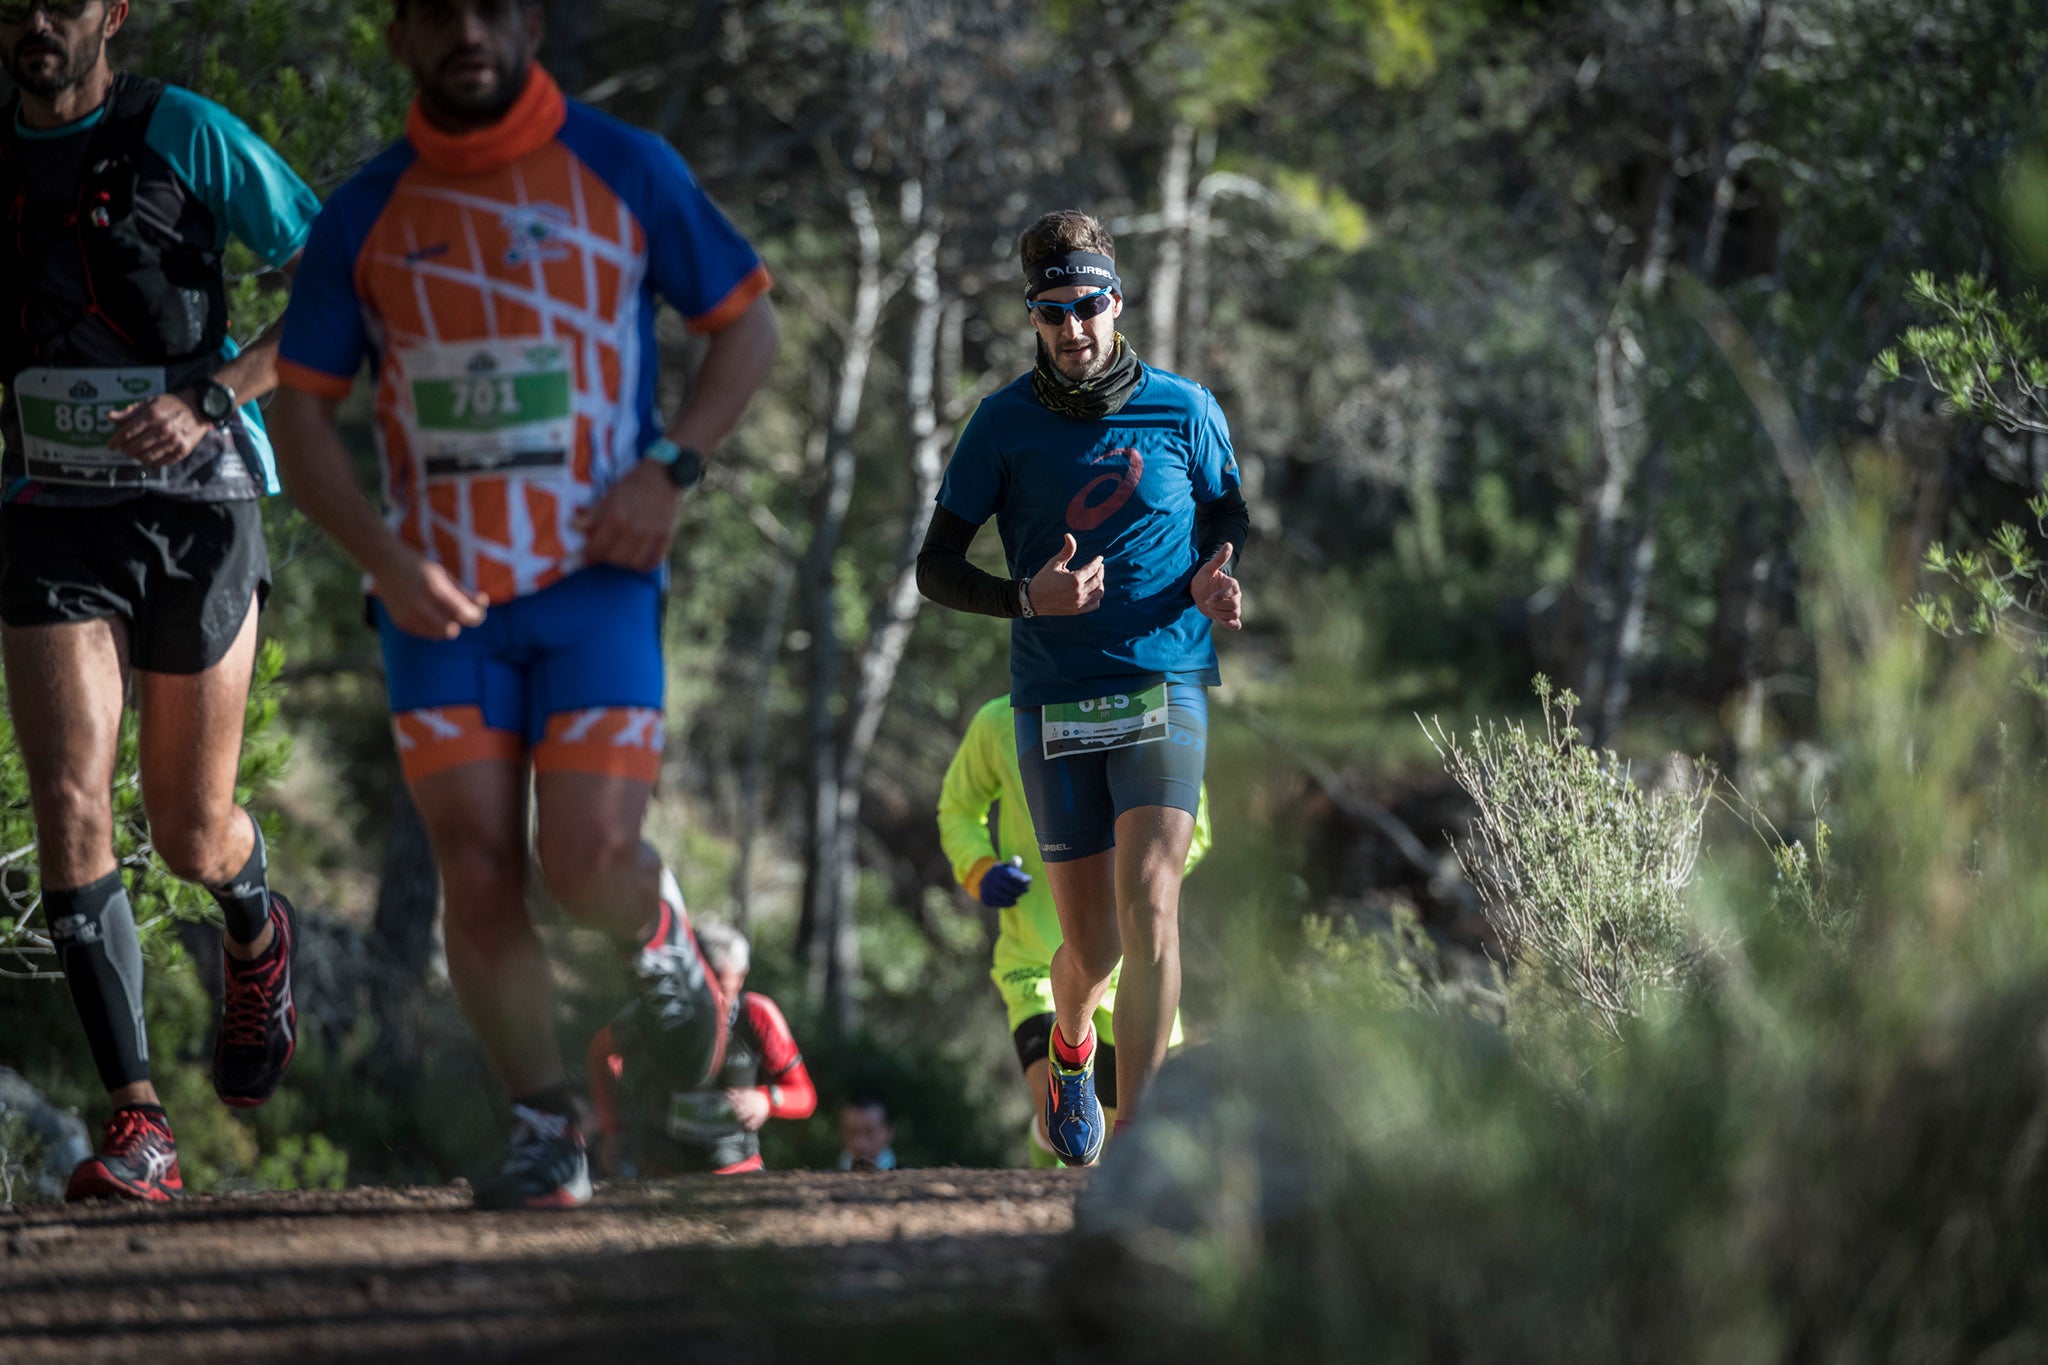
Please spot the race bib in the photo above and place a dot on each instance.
(1116, 721)
(67, 416)
(701, 1116)
(490, 407)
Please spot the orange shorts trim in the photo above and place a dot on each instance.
(434, 739)
(610, 741)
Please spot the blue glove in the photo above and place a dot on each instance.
(1002, 884)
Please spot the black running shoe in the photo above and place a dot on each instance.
(679, 1020)
(547, 1167)
(137, 1159)
(259, 1027)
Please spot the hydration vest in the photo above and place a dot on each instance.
(122, 273)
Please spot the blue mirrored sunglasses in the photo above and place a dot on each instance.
(1083, 308)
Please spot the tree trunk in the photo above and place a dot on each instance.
(820, 929)
(1163, 291)
(1598, 588)
(774, 626)
(1195, 306)
(1632, 596)
(890, 633)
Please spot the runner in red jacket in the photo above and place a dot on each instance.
(651, 1127)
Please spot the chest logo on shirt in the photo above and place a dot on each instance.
(1092, 506)
(537, 232)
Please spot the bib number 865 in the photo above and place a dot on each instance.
(82, 419)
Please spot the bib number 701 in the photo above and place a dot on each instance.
(486, 397)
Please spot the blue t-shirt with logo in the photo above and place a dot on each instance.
(1126, 486)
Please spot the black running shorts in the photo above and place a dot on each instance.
(179, 574)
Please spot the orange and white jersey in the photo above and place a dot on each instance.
(503, 285)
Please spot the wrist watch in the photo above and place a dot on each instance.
(684, 465)
(1024, 607)
(216, 401)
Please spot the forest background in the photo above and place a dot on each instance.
(1557, 337)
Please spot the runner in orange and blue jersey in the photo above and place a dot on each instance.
(500, 269)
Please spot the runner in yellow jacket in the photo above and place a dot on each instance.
(1007, 874)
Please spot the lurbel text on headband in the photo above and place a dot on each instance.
(1085, 268)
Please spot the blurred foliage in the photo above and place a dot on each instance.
(1582, 870)
(1807, 1152)
(1984, 356)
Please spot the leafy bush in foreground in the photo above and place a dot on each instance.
(1834, 1146)
(1581, 870)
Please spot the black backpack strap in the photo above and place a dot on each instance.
(130, 105)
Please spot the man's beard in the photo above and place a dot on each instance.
(69, 70)
(505, 92)
(1097, 361)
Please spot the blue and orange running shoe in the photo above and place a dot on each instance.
(1074, 1125)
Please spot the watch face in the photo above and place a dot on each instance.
(687, 469)
(216, 402)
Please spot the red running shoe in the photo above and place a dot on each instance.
(259, 1027)
(138, 1159)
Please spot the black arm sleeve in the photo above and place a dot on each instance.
(1225, 520)
(945, 576)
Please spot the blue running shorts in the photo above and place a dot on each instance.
(571, 675)
(1075, 800)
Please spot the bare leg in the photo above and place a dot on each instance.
(191, 750)
(1152, 854)
(1084, 891)
(475, 815)
(64, 691)
(591, 853)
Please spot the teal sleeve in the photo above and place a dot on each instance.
(252, 194)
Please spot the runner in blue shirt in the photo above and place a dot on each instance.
(1115, 492)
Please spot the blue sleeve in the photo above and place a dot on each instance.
(696, 259)
(252, 194)
(325, 334)
(977, 475)
(1214, 471)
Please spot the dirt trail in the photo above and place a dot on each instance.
(909, 1265)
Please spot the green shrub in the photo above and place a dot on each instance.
(1828, 1147)
(1582, 872)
